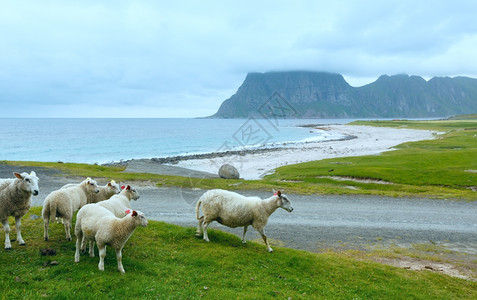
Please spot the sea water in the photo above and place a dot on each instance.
(113, 140)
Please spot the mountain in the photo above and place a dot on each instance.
(300, 94)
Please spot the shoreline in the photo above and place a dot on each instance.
(173, 160)
(367, 140)
(255, 163)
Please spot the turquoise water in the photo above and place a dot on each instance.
(110, 140)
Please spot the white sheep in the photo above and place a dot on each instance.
(234, 210)
(15, 200)
(105, 192)
(63, 203)
(96, 223)
(119, 203)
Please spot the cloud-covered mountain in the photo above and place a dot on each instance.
(300, 94)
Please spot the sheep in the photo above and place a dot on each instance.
(234, 210)
(65, 202)
(15, 200)
(96, 223)
(119, 203)
(105, 192)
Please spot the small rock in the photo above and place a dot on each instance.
(47, 251)
(34, 217)
(54, 263)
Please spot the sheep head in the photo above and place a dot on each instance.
(29, 182)
(130, 192)
(283, 201)
(138, 217)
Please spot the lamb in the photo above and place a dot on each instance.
(15, 200)
(118, 204)
(105, 192)
(234, 210)
(96, 223)
(65, 202)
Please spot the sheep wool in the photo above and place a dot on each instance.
(15, 200)
(234, 210)
(95, 223)
(119, 203)
(63, 203)
(105, 192)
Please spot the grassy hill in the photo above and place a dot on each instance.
(168, 262)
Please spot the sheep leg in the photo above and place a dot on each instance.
(119, 258)
(264, 237)
(244, 232)
(18, 223)
(83, 244)
(6, 228)
(46, 222)
(79, 238)
(199, 227)
(102, 255)
(204, 226)
(67, 224)
(91, 248)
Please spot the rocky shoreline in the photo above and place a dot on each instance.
(242, 152)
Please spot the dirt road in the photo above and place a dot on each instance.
(317, 222)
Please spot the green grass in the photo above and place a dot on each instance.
(167, 261)
(444, 167)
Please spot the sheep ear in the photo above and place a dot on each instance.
(134, 213)
(113, 182)
(109, 183)
(279, 194)
(128, 187)
(18, 175)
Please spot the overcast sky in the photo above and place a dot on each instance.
(93, 58)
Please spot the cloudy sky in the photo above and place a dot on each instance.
(94, 58)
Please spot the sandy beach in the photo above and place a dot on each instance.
(367, 140)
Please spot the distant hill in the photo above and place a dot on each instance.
(301, 94)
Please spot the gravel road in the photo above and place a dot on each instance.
(317, 222)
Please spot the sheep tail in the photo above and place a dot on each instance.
(197, 209)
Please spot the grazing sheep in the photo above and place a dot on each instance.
(234, 210)
(96, 223)
(15, 200)
(63, 203)
(119, 203)
(105, 192)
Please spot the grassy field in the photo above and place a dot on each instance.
(167, 261)
(445, 167)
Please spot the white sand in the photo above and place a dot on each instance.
(370, 140)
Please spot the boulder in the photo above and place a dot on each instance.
(227, 171)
